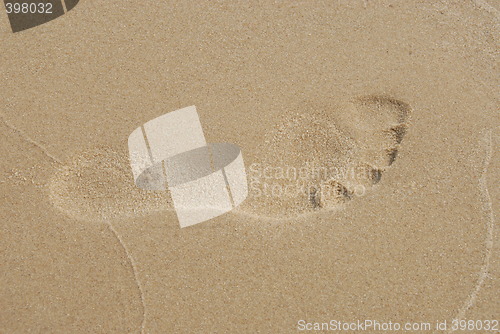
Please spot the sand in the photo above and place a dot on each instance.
(396, 103)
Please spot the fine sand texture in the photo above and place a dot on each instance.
(369, 130)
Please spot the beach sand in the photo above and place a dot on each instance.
(405, 93)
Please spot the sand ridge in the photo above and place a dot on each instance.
(485, 141)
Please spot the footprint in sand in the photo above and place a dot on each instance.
(98, 185)
(325, 156)
(317, 159)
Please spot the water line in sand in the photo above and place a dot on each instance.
(490, 225)
(41, 148)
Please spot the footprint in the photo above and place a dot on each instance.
(326, 156)
(318, 159)
(378, 125)
(98, 185)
